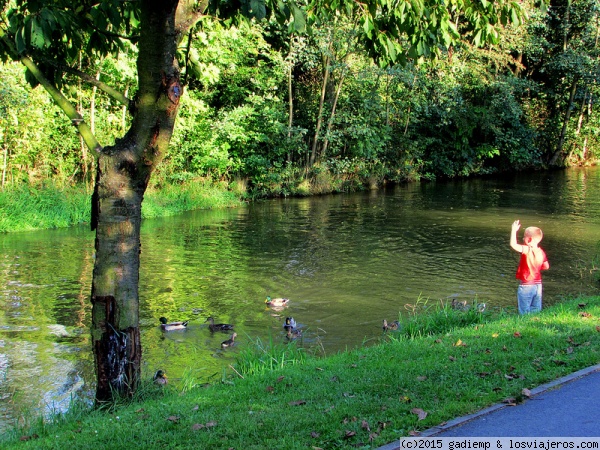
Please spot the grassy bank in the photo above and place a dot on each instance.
(27, 208)
(427, 373)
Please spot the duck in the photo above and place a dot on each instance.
(390, 326)
(218, 326)
(276, 301)
(293, 334)
(289, 324)
(459, 305)
(160, 378)
(229, 342)
(166, 326)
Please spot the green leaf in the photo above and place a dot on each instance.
(299, 19)
(477, 38)
(418, 7)
(401, 12)
(391, 49)
(283, 9)
(48, 21)
(258, 9)
(20, 41)
(453, 29)
(444, 26)
(37, 38)
(368, 27)
(515, 16)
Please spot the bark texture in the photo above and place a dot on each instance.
(121, 180)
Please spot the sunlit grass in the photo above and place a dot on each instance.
(260, 357)
(278, 396)
(425, 317)
(175, 199)
(26, 208)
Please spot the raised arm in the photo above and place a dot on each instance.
(513, 237)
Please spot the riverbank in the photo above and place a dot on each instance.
(429, 372)
(28, 208)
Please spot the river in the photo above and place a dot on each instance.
(345, 262)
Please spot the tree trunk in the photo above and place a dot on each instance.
(387, 99)
(123, 172)
(122, 175)
(290, 110)
(290, 102)
(563, 132)
(115, 314)
(518, 65)
(124, 110)
(331, 118)
(4, 165)
(586, 103)
(93, 106)
(327, 69)
(290, 79)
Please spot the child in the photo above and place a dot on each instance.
(533, 261)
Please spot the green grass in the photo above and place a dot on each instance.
(26, 208)
(283, 398)
(427, 317)
(261, 357)
(175, 199)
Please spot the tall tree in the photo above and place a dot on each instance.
(49, 38)
(562, 56)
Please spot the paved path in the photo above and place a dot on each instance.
(567, 407)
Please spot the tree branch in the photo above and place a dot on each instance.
(64, 104)
(188, 16)
(109, 90)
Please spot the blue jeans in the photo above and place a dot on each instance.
(529, 298)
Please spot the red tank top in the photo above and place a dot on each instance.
(531, 273)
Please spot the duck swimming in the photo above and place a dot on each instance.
(229, 342)
(166, 326)
(218, 326)
(293, 334)
(390, 326)
(289, 324)
(279, 301)
(460, 305)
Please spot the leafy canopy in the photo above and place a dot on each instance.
(393, 31)
(61, 32)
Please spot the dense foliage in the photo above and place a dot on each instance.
(269, 112)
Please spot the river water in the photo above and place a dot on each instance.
(345, 262)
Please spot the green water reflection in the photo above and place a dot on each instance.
(345, 261)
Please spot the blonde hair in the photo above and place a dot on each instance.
(534, 233)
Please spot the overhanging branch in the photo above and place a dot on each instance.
(63, 103)
(104, 87)
(189, 15)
